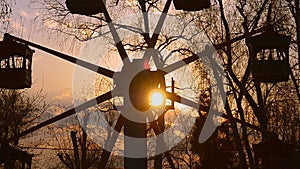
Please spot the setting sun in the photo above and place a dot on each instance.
(157, 98)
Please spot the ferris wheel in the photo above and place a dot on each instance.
(141, 82)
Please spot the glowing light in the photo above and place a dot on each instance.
(157, 98)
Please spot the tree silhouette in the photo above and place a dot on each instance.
(18, 112)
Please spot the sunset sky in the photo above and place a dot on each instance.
(51, 74)
(201, 61)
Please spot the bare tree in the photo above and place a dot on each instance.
(247, 100)
(18, 112)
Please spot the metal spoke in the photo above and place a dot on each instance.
(152, 42)
(111, 142)
(174, 66)
(181, 63)
(158, 131)
(203, 53)
(68, 113)
(179, 99)
(114, 33)
(159, 25)
(197, 106)
(146, 20)
(82, 63)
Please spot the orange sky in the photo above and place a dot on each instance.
(51, 74)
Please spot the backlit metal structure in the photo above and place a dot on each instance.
(144, 78)
(15, 64)
(85, 7)
(191, 5)
(269, 52)
(10, 155)
(270, 57)
(275, 154)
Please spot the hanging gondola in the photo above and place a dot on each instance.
(274, 154)
(270, 53)
(191, 5)
(10, 154)
(15, 64)
(85, 7)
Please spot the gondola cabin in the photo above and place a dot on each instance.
(274, 154)
(85, 7)
(270, 53)
(11, 155)
(15, 64)
(191, 5)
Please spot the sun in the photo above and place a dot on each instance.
(157, 98)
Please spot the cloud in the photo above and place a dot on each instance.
(66, 94)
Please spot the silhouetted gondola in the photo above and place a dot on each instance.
(270, 53)
(15, 64)
(191, 5)
(85, 7)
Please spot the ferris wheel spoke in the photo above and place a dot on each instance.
(195, 105)
(187, 102)
(68, 113)
(207, 52)
(157, 130)
(82, 63)
(153, 40)
(115, 35)
(111, 142)
(159, 25)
